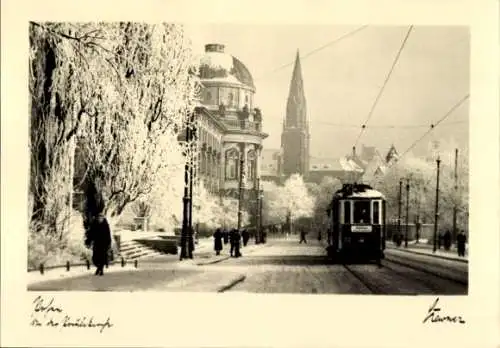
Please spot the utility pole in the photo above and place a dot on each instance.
(407, 210)
(454, 237)
(399, 210)
(436, 209)
(186, 199)
(417, 218)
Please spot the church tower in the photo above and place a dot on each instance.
(295, 135)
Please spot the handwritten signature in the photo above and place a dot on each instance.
(433, 315)
(46, 313)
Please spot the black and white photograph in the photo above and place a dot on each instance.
(222, 174)
(174, 157)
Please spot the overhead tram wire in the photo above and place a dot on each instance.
(432, 127)
(370, 114)
(387, 126)
(352, 32)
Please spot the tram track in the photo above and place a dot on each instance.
(374, 289)
(426, 270)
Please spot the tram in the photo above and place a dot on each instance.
(357, 226)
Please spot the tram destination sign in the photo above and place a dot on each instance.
(361, 228)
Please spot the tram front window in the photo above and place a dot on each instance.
(362, 212)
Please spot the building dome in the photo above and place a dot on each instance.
(218, 66)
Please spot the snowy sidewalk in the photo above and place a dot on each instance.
(426, 249)
(202, 255)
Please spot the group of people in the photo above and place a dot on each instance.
(444, 240)
(234, 237)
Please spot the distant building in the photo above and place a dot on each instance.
(271, 165)
(295, 136)
(229, 125)
(342, 169)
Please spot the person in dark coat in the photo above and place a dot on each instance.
(237, 243)
(98, 236)
(246, 236)
(302, 236)
(447, 240)
(461, 240)
(232, 241)
(225, 235)
(217, 241)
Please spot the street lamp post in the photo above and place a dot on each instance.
(191, 179)
(407, 210)
(258, 212)
(241, 186)
(186, 204)
(436, 207)
(261, 233)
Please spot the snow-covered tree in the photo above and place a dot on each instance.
(422, 175)
(118, 93)
(274, 204)
(299, 202)
(323, 193)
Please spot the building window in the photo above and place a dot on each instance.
(232, 160)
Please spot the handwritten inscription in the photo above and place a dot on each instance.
(434, 315)
(47, 313)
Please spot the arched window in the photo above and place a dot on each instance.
(230, 99)
(232, 160)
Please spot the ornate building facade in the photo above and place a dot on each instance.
(295, 137)
(228, 126)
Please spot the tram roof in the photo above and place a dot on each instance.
(357, 191)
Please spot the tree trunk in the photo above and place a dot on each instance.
(42, 69)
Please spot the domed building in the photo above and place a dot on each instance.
(228, 125)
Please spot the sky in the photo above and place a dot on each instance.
(342, 81)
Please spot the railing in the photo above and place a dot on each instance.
(242, 124)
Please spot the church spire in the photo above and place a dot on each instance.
(295, 136)
(296, 105)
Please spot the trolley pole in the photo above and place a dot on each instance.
(407, 210)
(436, 209)
(454, 237)
(399, 209)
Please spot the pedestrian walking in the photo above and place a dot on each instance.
(461, 240)
(98, 236)
(246, 236)
(232, 237)
(447, 240)
(302, 236)
(237, 246)
(217, 241)
(440, 240)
